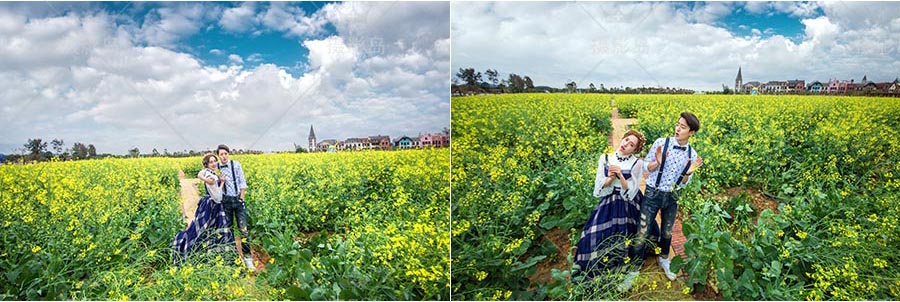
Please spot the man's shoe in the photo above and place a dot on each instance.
(664, 264)
(249, 262)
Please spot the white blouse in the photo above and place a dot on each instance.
(633, 163)
(215, 192)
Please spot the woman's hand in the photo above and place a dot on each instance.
(614, 171)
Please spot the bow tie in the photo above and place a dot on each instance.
(679, 148)
(223, 166)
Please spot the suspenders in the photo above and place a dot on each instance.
(662, 165)
(233, 179)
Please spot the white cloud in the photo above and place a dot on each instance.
(711, 11)
(796, 9)
(756, 7)
(291, 19)
(166, 26)
(235, 59)
(240, 19)
(820, 30)
(86, 78)
(255, 58)
(393, 25)
(670, 44)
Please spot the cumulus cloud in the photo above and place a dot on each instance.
(240, 19)
(673, 44)
(86, 77)
(166, 26)
(292, 20)
(235, 59)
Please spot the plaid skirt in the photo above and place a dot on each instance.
(207, 232)
(615, 221)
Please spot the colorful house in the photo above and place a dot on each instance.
(380, 142)
(403, 143)
(816, 87)
(425, 140)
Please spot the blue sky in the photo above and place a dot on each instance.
(192, 75)
(212, 44)
(741, 22)
(695, 45)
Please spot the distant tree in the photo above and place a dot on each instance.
(726, 90)
(528, 83)
(571, 87)
(469, 76)
(57, 146)
(516, 83)
(134, 152)
(36, 148)
(91, 151)
(154, 152)
(504, 85)
(592, 87)
(80, 151)
(492, 76)
(165, 152)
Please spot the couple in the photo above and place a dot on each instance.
(623, 222)
(224, 202)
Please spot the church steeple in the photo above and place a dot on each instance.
(739, 81)
(312, 139)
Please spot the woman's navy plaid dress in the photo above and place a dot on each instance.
(207, 232)
(613, 221)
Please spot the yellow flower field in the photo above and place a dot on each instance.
(523, 167)
(347, 225)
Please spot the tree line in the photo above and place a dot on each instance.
(38, 150)
(468, 81)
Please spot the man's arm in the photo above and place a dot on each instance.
(650, 162)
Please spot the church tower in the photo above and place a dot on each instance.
(312, 139)
(738, 82)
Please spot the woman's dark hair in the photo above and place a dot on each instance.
(223, 147)
(207, 157)
(692, 121)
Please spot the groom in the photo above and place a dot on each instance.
(233, 199)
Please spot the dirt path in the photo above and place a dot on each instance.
(190, 197)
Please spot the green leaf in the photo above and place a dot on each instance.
(548, 223)
(528, 263)
(296, 293)
(676, 264)
(318, 294)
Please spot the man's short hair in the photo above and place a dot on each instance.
(690, 118)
